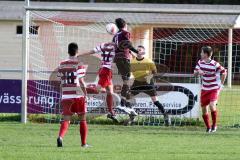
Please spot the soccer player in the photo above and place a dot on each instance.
(122, 58)
(142, 69)
(107, 52)
(73, 94)
(213, 76)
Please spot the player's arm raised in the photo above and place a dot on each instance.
(86, 53)
(97, 49)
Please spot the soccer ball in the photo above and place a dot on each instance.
(111, 28)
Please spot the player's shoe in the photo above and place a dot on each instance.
(86, 146)
(132, 112)
(124, 109)
(209, 130)
(214, 129)
(130, 121)
(130, 108)
(112, 117)
(59, 142)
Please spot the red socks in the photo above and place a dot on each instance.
(206, 120)
(63, 128)
(83, 132)
(214, 118)
(109, 100)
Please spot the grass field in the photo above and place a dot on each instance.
(229, 107)
(38, 142)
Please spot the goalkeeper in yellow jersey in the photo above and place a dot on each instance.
(143, 69)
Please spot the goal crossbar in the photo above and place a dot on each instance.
(130, 10)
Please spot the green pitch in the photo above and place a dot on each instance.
(38, 142)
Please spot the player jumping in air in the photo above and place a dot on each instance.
(213, 76)
(107, 52)
(122, 59)
(142, 69)
(73, 93)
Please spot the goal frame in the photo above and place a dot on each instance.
(26, 25)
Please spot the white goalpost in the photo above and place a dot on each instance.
(173, 39)
(25, 51)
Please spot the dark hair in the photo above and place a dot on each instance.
(207, 50)
(140, 46)
(72, 49)
(121, 23)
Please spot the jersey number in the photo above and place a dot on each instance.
(69, 77)
(106, 57)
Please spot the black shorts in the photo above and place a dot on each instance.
(143, 87)
(123, 66)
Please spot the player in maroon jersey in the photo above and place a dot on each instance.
(122, 59)
(107, 51)
(73, 94)
(213, 76)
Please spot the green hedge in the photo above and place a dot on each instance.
(100, 119)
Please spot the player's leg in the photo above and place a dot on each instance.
(83, 130)
(167, 120)
(213, 108)
(204, 105)
(64, 126)
(150, 90)
(105, 82)
(158, 104)
(132, 92)
(81, 110)
(67, 113)
(133, 113)
(63, 130)
(124, 104)
(109, 100)
(205, 117)
(125, 89)
(123, 66)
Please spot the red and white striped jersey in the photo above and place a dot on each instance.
(70, 71)
(107, 51)
(211, 77)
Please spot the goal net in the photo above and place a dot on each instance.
(172, 41)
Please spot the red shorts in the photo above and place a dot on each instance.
(209, 96)
(74, 105)
(105, 77)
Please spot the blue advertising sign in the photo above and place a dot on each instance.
(10, 96)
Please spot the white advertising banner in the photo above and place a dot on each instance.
(181, 100)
